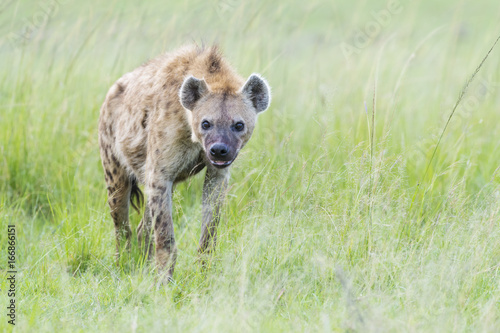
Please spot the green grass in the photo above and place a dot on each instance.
(332, 223)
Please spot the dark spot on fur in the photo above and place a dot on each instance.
(166, 241)
(168, 105)
(158, 223)
(110, 176)
(114, 171)
(144, 122)
(109, 129)
(159, 187)
(213, 62)
(176, 82)
(137, 151)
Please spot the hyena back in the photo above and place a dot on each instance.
(164, 122)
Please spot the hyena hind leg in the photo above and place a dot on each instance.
(119, 187)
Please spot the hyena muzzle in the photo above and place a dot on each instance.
(164, 122)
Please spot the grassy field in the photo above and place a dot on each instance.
(337, 219)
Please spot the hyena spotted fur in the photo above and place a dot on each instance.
(164, 122)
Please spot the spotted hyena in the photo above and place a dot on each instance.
(164, 122)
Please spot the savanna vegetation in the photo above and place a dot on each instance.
(344, 213)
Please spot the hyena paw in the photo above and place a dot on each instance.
(163, 278)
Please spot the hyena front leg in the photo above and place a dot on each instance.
(160, 206)
(214, 190)
(145, 233)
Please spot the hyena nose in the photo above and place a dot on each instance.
(219, 150)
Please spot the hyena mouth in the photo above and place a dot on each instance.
(221, 164)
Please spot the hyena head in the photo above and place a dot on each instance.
(223, 122)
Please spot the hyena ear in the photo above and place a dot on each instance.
(191, 91)
(258, 92)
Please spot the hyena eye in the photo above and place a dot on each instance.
(205, 125)
(239, 126)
